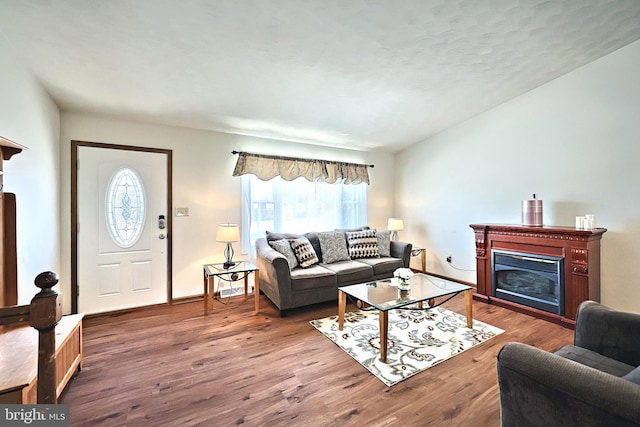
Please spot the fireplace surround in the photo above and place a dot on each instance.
(569, 258)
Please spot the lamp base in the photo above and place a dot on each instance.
(228, 255)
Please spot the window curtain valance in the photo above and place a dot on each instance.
(267, 167)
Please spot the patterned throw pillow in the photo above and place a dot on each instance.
(333, 246)
(305, 254)
(284, 247)
(363, 244)
(384, 242)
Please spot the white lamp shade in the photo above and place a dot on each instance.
(228, 233)
(395, 224)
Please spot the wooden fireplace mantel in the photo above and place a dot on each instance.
(580, 249)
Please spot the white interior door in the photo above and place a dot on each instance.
(122, 247)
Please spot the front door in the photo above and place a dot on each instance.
(123, 228)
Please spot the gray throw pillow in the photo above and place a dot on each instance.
(305, 254)
(284, 247)
(333, 246)
(362, 244)
(633, 376)
(384, 242)
(271, 236)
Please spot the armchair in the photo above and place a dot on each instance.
(595, 382)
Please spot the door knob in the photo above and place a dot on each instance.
(162, 236)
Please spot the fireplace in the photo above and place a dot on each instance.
(560, 269)
(529, 279)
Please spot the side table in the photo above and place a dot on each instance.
(240, 270)
(423, 257)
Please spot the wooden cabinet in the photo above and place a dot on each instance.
(579, 248)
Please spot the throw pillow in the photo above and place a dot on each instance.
(271, 236)
(305, 254)
(333, 247)
(633, 376)
(364, 227)
(284, 247)
(384, 242)
(363, 244)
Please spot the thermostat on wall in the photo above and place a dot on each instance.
(182, 211)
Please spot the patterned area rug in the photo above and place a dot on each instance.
(418, 339)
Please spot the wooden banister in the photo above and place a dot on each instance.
(46, 312)
(14, 314)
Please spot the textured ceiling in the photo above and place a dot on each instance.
(360, 74)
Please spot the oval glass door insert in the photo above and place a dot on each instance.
(125, 207)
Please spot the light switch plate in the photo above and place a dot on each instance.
(182, 211)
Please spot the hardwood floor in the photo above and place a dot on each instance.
(171, 366)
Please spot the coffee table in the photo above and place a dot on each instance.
(384, 295)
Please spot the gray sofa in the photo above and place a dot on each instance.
(296, 287)
(595, 382)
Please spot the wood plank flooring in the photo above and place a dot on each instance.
(171, 366)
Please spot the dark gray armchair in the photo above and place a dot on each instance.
(595, 382)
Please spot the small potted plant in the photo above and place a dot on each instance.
(403, 275)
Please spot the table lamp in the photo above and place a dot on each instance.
(228, 233)
(395, 225)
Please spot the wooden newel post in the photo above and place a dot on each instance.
(46, 312)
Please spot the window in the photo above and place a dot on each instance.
(125, 207)
(299, 206)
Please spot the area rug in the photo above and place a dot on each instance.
(417, 340)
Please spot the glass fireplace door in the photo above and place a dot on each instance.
(529, 279)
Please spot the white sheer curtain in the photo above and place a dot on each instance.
(298, 206)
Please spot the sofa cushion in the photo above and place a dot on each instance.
(383, 265)
(304, 252)
(633, 376)
(333, 246)
(594, 360)
(313, 277)
(350, 271)
(384, 242)
(362, 244)
(284, 247)
(315, 242)
(271, 236)
(364, 227)
(313, 239)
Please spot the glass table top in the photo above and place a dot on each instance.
(385, 295)
(238, 267)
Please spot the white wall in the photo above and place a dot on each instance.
(202, 181)
(575, 142)
(30, 118)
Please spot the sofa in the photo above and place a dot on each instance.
(297, 270)
(594, 382)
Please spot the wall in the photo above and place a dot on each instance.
(573, 142)
(29, 117)
(202, 181)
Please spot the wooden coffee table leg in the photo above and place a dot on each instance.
(384, 329)
(468, 297)
(342, 305)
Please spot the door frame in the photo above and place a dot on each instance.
(75, 146)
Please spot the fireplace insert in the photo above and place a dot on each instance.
(529, 279)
